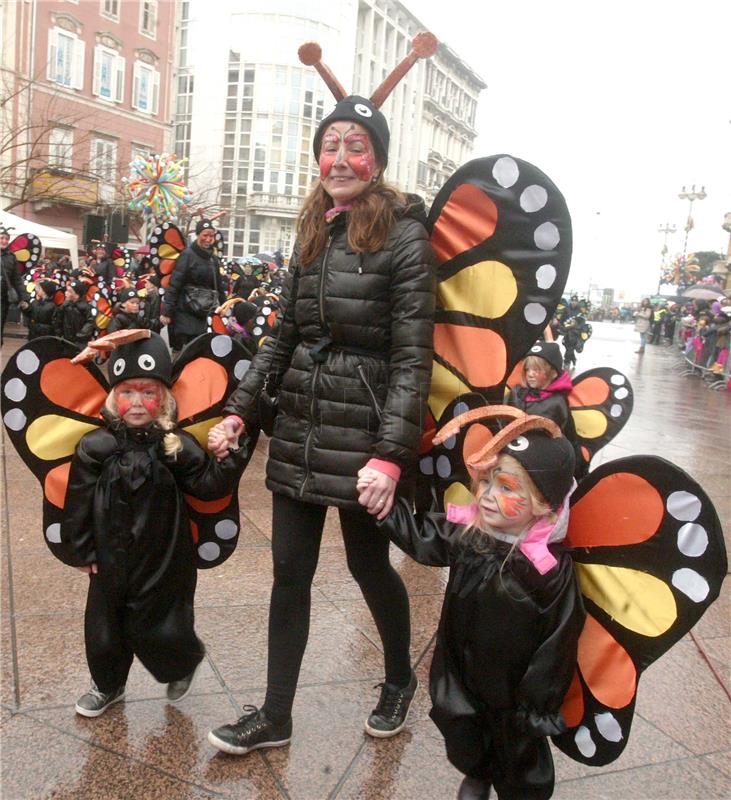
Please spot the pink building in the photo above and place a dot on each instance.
(91, 90)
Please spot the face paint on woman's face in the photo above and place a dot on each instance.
(351, 147)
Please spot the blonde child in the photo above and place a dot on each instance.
(126, 521)
(512, 614)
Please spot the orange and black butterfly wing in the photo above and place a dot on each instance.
(650, 559)
(122, 260)
(166, 244)
(48, 404)
(100, 299)
(501, 232)
(26, 247)
(204, 375)
(600, 403)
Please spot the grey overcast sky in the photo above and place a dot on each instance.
(620, 103)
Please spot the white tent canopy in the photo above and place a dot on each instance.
(50, 237)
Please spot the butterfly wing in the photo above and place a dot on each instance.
(501, 232)
(122, 260)
(26, 247)
(166, 244)
(647, 569)
(48, 404)
(600, 403)
(204, 375)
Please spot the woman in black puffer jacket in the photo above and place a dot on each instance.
(354, 356)
(198, 267)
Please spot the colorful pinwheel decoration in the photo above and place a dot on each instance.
(157, 186)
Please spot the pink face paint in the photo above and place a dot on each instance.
(354, 149)
(128, 393)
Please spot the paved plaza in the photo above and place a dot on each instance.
(680, 746)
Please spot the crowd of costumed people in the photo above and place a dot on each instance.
(404, 369)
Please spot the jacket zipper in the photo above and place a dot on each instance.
(316, 372)
(376, 406)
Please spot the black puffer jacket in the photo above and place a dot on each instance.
(41, 317)
(74, 322)
(123, 321)
(368, 321)
(194, 267)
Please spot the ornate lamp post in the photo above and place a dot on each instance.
(691, 196)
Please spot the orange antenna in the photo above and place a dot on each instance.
(424, 45)
(310, 55)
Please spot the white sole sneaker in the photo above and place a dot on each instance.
(225, 747)
(85, 712)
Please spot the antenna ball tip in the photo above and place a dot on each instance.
(310, 53)
(424, 44)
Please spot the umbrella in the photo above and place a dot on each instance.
(704, 291)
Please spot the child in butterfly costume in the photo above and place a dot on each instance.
(126, 524)
(512, 614)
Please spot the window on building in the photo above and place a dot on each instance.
(110, 9)
(142, 151)
(146, 92)
(148, 17)
(103, 161)
(108, 74)
(65, 59)
(60, 148)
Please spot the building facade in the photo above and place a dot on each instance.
(90, 88)
(246, 109)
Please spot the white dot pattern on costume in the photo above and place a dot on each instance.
(684, 506)
(545, 276)
(535, 313)
(15, 390)
(53, 533)
(426, 465)
(460, 408)
(257, 331)
(27, 362)
(221, 346)
(450, 443)
(608, 727)
(226, 529)
(260, 320)
(615, 411)
(584, 742)
(546, 236)
(691, 584)
(617, 379)
(533, 198)
(692, 539)
(620, 394)
(505, 171)
(209, 551)
(444, 468)
(15, 419)
(241, 367)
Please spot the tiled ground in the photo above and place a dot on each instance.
(144, 748)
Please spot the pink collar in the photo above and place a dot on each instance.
(331, 213)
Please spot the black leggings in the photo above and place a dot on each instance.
(296, 535)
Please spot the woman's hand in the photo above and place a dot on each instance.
(376, 492)
(89, 569)
(224, 437)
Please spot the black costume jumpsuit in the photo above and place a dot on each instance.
(125, 511)
(505, 653)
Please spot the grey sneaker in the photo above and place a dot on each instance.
(177, 690)
(389, 716)
(95, 702)
(252, 731)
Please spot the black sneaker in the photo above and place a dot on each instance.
(177, 690)
(389, 716)
(95, 702)
(251, 732)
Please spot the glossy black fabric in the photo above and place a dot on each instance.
(125, 511)
(368, 320)
(40, 316)
(75, 323)
(122, 321)
(555, 407)
(194, 267)
(505, 653)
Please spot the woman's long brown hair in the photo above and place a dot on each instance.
(369, 220)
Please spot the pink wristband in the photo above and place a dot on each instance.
(235, 418)
(386, 467)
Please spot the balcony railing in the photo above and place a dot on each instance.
(278, 205)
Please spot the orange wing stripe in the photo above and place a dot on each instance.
(173, 237)
(468, 218)
(573, 704)
(201, 384)
(637, 512)
(72, 387)
(590, 392)
(606, 667)
(478, 353)
(475, 439)
(208, 506)
(54, 487)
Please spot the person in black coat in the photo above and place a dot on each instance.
(354, 356)
(195, 289)
(127, 312)
(74, 320)
(151, 302)
(12, 290)
(511, 619)
(42, 311)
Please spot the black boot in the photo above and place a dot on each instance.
(473, 789)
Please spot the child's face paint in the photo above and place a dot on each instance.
(138, 401)
(504, 501)
(537, 376)
(347, 161)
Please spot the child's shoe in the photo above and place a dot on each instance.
(177, 690)
(473, 789)
(389, 716)
(95, 702)
(252, 731)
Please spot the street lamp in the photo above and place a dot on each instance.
(691, 196)
(666, 229)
